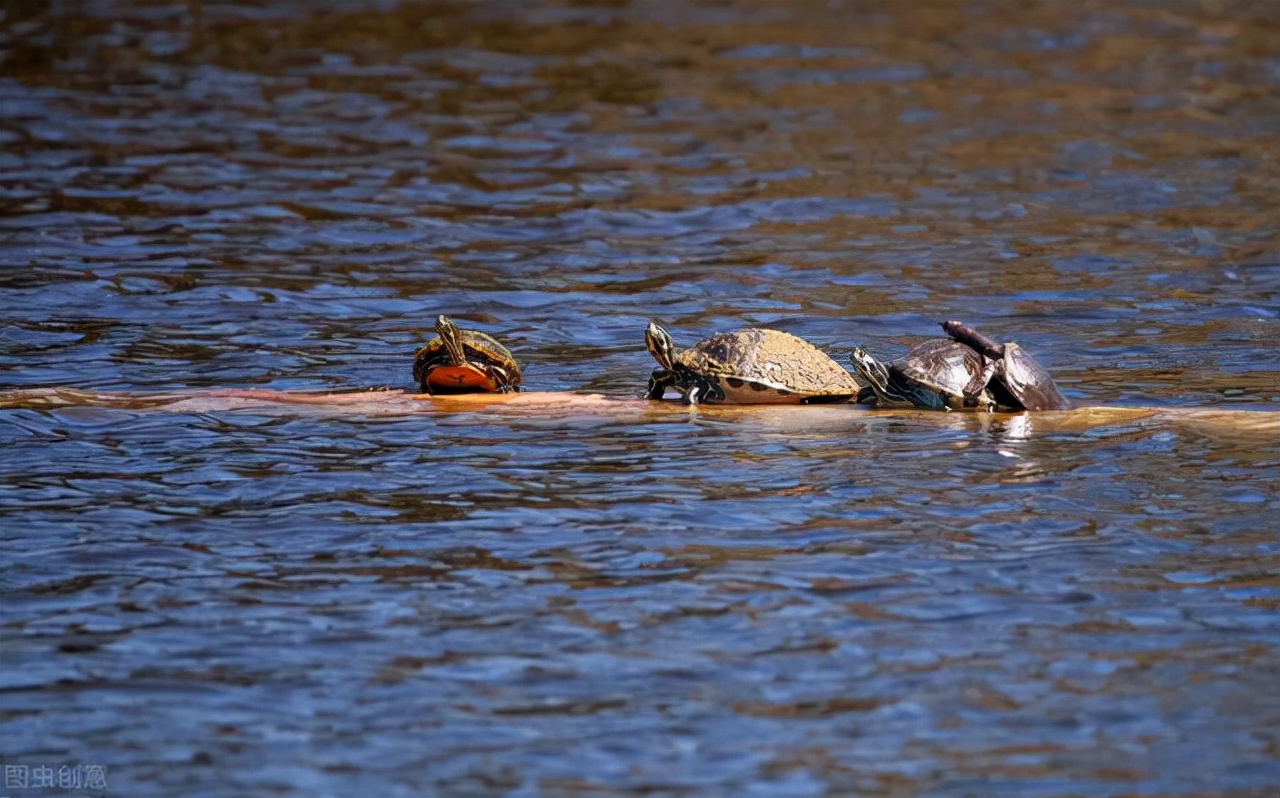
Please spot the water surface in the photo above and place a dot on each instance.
(218, 600)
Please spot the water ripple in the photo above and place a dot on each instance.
(213, 593)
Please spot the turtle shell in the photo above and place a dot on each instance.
(940, 364)
(755, 365)
(481, 350)
(1028, 382)
(945, 367)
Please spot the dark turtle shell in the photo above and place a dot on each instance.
(464, 361)
(1012, 375)
(931, 376)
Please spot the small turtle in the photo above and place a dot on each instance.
(1011, 375)
(932, 376)
(749, 366)
(464, 361)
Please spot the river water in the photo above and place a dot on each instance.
(209, 599)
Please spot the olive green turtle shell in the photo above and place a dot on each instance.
(768, 359)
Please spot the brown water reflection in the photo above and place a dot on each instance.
(212, 586)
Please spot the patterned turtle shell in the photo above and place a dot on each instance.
(748, 366)
(464, 361)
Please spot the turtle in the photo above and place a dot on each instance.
(932, 376)
(1010, 374)
(748, 366)
(464, 361)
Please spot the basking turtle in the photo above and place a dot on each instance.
(1011, 375)
(749, 366)
(464, 361)
(932, 376)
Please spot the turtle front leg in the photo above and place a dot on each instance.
(703, 390)
(501, 380)
(975, 393)
(691, 392)
(659, 381)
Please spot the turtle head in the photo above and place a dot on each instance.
(959, 331)
(452, 338)
(870, 369)
(658, 342)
